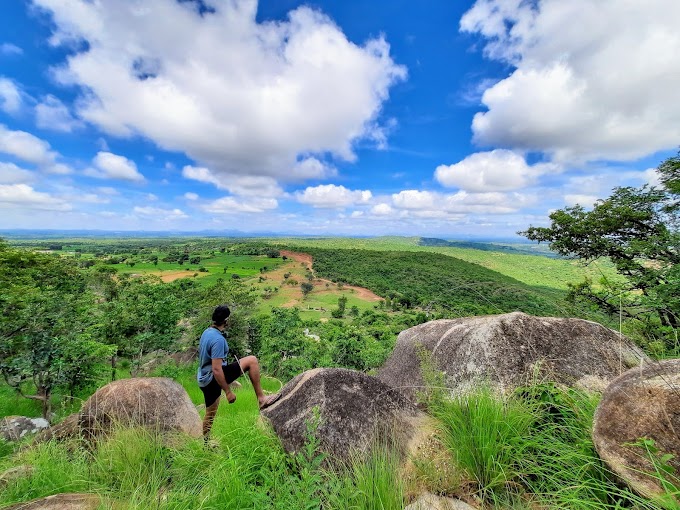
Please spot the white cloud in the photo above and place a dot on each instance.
(159, 214)
(356, 214)
(603, 88)
(580, 199)
(229, 205)
(26, 147)
(10, 49)
(151, 197)
(191, 196)
(498, 170)
(432, 204)
(10, 97)
(238, 96)
(382, 210)
(107, 190)
(12, 174)
(22, 196)
(242, 185)
(331, 196)
(52, 114)
(112, 166)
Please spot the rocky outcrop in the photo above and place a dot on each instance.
(351, 410)
(14, 428)
(156, 403)
(68, 428)
(156, 359)
(510, 350)
(641, 404)
(61, 502)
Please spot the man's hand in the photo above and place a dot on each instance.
(231, 398)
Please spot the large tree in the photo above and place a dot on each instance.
(638, 230)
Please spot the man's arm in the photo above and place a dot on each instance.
(218, 374)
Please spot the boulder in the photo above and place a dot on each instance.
(68, 428)
(61, 502)
(509, 350)
(353, 410)
(15, 473)
(14, 428)
(431, 502)
(157, 403)
(642, 403)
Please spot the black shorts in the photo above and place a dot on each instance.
(212, 391)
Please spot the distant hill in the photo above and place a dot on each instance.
(519, 248)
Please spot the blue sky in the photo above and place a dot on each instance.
(437, 118)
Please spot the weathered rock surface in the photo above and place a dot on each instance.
(431, 502)
(15, 473)
(155, 359)
(509, 350)
(14, 428)
(642, 403)
(354, 410)
(154, 402)
(61, 502)
(68, 428)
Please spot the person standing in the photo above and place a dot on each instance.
(215, 373)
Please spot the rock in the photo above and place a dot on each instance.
(154, 402)
(15, 473)
(14, 428)
(68, 428)
(61, 502)
(185, 357)
(353, 410)
(508, 351)
(431, 502)
(642, 403)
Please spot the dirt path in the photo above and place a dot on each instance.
(307, 260)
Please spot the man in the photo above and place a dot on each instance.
(215, 373)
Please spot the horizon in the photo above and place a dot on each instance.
(455, 120)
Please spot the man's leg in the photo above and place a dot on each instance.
(250, 365)
(210, 413)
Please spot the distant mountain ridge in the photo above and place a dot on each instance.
(530, 249)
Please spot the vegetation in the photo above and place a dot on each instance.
(638, 230)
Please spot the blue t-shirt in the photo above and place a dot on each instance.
(211, 346)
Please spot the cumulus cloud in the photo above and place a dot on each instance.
(331, 196)
(433, 204)
(10, 96)
(236, 95)
(190, 196)
(23, 196)
(52, 114)
(12, 174)
(159, 214)
(230, 205)
(382, 210)
(26, 147)
(602, 88)
(498, 170)
(580, 199)
(242, 185)
(112, 166)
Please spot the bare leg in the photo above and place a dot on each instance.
(252, 366)
(210, 413)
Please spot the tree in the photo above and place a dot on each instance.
(306, 288)
(638, 230)
(44, 339)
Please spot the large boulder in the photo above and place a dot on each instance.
(157, 403)
(14, 428)
(354, 410)
(510, 350)
(643, 403)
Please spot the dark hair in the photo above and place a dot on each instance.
(221, 314)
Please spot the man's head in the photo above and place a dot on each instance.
(220, 315)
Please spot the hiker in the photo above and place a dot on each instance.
(215, 373)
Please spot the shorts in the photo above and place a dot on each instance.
(213, 390)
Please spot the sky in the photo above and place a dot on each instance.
(453, 119)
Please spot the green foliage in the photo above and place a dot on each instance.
(434, 281)
(637, 229)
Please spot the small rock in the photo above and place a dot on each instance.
(14, 428)
(431, 502)
(15, 473)
(61, 502)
